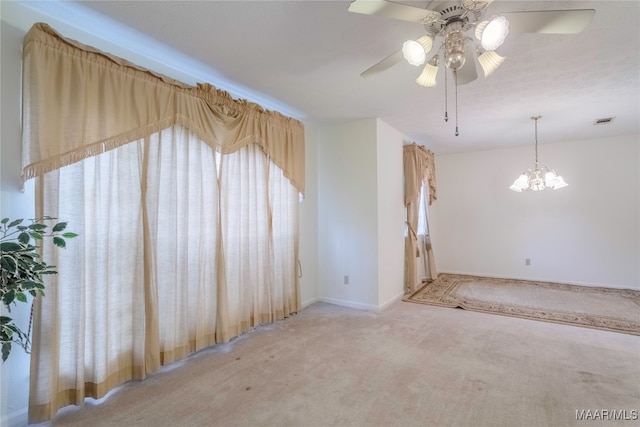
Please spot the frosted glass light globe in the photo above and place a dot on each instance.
(414, 52)
(495, 33)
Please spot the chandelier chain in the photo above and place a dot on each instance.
(536, 137)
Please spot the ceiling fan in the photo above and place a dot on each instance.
(468, 33)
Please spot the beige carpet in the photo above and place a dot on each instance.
(616, 310)
(411, 365)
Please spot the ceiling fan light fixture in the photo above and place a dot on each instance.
(490, 61)
(426, 42)
(428, 76)
(455, 44)
(455, 59)
(493, 33)
(414, 52)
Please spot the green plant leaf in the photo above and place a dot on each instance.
(6, 350)
(22, 270)
(36, 235)
(13, 328)
(59, 227)
(8, 297)
(14, 223)
(8, 263)
(10, 246)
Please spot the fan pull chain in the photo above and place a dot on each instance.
(446, 106)
(455, 76)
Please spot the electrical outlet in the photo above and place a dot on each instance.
(527, 261)
(346, 279)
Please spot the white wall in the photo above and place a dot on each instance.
(308, 253)
(14, 203)
(360, 214)
(348, 214)
(390, 190)
(586, 233)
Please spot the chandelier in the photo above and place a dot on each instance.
(537, 179)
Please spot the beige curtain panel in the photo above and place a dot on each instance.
(419, 171)
(119, 102)
(419, 165)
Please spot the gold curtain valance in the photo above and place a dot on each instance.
(419, 165)
(87, 102)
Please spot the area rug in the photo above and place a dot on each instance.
(616, 310)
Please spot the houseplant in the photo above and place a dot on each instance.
(22, 269)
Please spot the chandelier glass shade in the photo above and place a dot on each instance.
(538, 178)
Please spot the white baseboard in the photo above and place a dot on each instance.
(350, 304)
(307, 303)
(361, 306)
(392, 301)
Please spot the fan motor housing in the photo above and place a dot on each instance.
(450, 12)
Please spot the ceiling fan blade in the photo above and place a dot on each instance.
(550, 21)
(385, 64)
(468, 71)
(392, 10)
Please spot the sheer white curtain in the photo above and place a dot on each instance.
(90, 328)
(259, 223)
(284, 202)
(181, 210)
(174, 255)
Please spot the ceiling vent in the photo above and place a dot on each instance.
(604, 121)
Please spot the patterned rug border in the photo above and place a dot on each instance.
(442, 293)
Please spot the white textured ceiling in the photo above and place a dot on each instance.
(308, 55)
